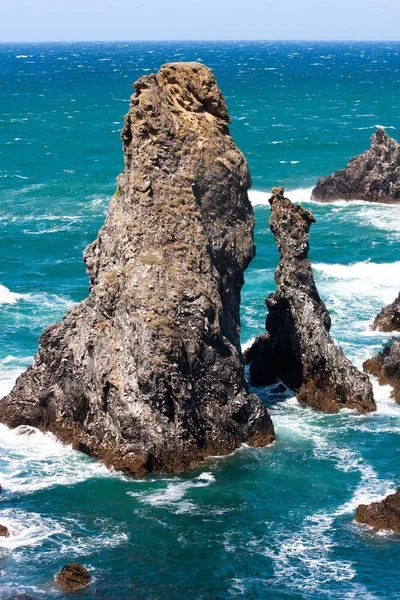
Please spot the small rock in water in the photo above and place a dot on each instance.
(4, 531)
(389, 317)
(73, 577)
(381, 515)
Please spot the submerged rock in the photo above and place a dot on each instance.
(373, 176)
(297, 348)
(386, 367)
(4, 531)
(381, 515)
(389, 317)
(147, 372)
(73, 577)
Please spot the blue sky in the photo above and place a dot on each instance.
(57, 20)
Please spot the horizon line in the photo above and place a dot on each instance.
(148, 41)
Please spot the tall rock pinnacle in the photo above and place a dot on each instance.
(147, 373)
(298, 348)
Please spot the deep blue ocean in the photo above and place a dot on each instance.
(272, 523)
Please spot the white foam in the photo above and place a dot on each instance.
(64, 536)
(209, 477)
(384, 126)
(10, 368)
(347, 204)
(325, 447)
(303, 195)
(85, 543)
(370, 489)
(385, 403)
(10, 359)
(26, 529)
(248, 344)
(32, 460)
(40, 298)
(299, 195)
(172, 496)
(385, 276)
(7, 297)
(48, 300)
(8, 378)
(355, 294)
(46, 231)
(303, 560)
(379, 215)
(261, 198)
(35, 218)
(384, 218)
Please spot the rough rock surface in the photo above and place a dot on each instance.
(73, 577)
(297, 348)
(147, 373)
(386, 367)
(4, 531)
(381, 515)
(389, 317)
(373, 176)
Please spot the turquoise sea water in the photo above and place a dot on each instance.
(269, 523)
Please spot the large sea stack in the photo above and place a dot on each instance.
(147, 373)
(298, 349)
(373, 176)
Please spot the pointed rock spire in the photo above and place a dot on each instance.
(298, 349)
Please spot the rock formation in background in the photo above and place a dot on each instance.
(381, 515)
(373, 176)
(147, 373)
(297, 348)
(389, 318)
(386, 367)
